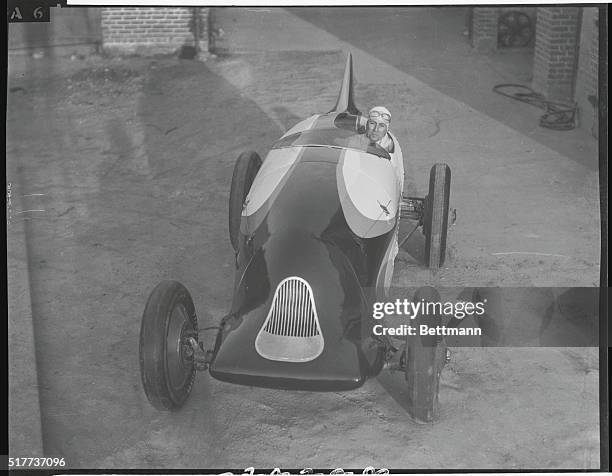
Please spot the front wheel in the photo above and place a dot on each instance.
(167, 366)
(425, 358)
(435, 223)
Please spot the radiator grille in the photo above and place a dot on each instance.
(292, 312)
(291, 331)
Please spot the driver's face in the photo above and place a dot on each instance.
(376, 130)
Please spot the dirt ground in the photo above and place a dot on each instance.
(131, 161)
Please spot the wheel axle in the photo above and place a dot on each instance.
(412, 208)
(201, 357)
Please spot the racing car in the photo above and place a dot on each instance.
(315, 230)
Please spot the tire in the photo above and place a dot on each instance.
(435, 224)
(425, 358)
(166, 371)
(245, 170)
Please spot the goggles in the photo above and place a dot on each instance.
(372, 124)
(380, 115)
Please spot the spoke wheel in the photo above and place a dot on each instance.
(514, 29)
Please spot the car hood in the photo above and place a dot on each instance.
(344, 356)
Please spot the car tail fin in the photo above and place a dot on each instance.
(345, 102)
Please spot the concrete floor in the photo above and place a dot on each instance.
(131, 162)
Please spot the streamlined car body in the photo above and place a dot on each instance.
(314, 226)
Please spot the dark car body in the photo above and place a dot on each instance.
(317, 235)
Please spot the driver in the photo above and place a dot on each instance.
(377, 131)
(379, 120)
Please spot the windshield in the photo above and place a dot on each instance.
(342, 131)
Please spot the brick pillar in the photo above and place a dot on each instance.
(152, 30)
(593, 60)
(556, 52)
(586, 89)
(484, 28)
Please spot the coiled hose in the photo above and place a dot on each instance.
(558, 116)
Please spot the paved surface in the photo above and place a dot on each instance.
(439, 55)
(133, 160)
(24, 409)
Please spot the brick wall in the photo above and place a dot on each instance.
(484, 28)
(588, 66)
(152, 30)
(556, 52)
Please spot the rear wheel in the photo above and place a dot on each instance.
(245, 170)
(435, 223)
(425, 358)
(167, 367)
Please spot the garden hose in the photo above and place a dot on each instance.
(558, 116)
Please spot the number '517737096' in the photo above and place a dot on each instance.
(36, 462)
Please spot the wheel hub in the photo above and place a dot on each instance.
(195, 354)
(179, 364)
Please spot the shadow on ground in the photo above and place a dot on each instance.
(133, 175)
